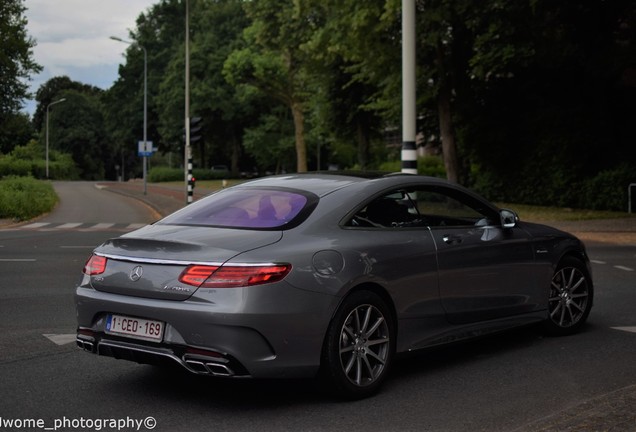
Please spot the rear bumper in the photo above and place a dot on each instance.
(265, 333)
(201, 362)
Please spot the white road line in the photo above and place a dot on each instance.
(69, 225)
(17, 260)
(102, 226)
(629, 269)
(77, 247)
(36, 225)
(627, 329)
(136, 226)
(60, 339)
(598, 262)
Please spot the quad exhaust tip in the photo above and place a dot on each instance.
(197, 364)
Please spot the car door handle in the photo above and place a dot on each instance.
(449, 239)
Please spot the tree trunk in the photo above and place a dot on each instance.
(236, 149)
(449, 147)
(363, 143)
(299, 135)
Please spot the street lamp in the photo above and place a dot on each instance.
(188, 149)
(47, 133)
(145, 158)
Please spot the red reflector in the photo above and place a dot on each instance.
(95, 265)
(233, 276)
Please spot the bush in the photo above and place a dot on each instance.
(28, 161)
(23, 198)
(426, 165)
(608, 189)
(165, 174)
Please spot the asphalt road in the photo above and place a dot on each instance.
(517, 381)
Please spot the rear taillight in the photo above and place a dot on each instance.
(233, 276)
(95, 265)
(195, 275)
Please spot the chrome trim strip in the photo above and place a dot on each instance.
(156, 260)
(180, 262)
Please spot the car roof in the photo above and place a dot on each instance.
(318, 183)
(322, 183)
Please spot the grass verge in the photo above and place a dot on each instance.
(544, 214)
(23, 198)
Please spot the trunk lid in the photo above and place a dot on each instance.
(147, 262)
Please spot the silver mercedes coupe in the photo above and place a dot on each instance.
(326, 275)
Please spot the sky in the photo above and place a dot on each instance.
(73, 38)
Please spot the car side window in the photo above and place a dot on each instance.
(439, 208)
(393, 210)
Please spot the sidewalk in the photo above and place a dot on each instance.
(162, 199)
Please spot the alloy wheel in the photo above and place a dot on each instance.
(569, 297)
(364, 345)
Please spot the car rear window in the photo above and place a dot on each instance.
(246, 208)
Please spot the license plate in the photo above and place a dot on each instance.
(136, 328)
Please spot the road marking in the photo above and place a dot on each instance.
(76, 226)
(60, 339)
(69, 225)
(627, 329)
(598, 262)
(77, 247)
(624, 268)
(36, 225)
(136, 226)
(102, 226)
(17, 260)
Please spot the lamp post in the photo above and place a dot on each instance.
(145, 158)
(47, 133)
(188, 149)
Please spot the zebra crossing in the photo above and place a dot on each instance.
(75, 226)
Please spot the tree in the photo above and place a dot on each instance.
(225, 110)
(49, 91)
(16, 67)
(352, 54)
(76, 127)
(275, 62)
(160, 30)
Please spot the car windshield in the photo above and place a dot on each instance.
(246, 208)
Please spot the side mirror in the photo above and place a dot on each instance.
(509, 218)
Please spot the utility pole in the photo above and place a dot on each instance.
(409, 126)
(188, 149)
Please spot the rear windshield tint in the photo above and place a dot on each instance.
(246, 208)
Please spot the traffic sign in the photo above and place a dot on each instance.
(144, 149)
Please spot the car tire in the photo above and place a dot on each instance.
(359, 346)
(570, 298)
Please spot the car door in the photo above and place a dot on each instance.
(485, 271)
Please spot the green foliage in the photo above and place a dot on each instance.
(16, 57)
(271, 142)
(432, 166)
(76, 127)
(16, 67)
(538, 96)
(15, 130)
(607, 190)
(23, 198)
(29, 161)
(165, 174)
